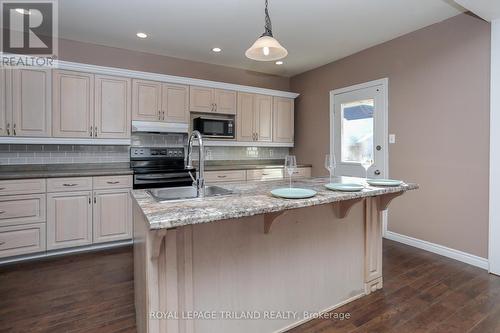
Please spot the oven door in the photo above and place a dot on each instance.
(214, 127)
(162, 179)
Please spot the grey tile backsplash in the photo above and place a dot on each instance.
(54, 154)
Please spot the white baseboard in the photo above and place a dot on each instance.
(439, 249)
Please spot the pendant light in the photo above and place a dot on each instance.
(266, 48)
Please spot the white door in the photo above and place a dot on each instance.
(359, 129)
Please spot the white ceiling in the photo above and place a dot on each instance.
(315, 32)
(487, 9)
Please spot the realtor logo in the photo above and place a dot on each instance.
(29, 28)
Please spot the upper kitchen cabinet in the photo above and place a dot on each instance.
(255, 117)
(283, 123)
(25, 96)
(3, 101)
(113, 100)
(73, 104)
(203, 99)
(146, 99)
(175, 103)
(156, 101)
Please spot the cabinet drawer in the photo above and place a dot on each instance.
(105, 182)
(22, 209)
(22, 186)
(225, 176)
(22, 239)
(69, 184)
(302, 173)
(265, 174)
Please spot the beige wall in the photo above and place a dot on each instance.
(114, 57)
(439, 110)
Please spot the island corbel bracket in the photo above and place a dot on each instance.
(342, 208)
(156, 242)
(269, 218)
(384, 200)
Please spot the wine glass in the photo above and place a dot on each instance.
(366, 163)
(330, 164)
(290, 166)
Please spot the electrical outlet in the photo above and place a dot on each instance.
(392, 138)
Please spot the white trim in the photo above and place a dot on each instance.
(439, 249)
(331, 308)
(62, 141)
(55, 253)
(231, 143)
(73, 66)
(494, 191)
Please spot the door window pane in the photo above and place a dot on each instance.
(357, 130)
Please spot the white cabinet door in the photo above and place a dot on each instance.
(245, 117)
(4, 106)
(112, 107)
(73, 104)
(283, 120)
(31, 102)
(201, 99)
(263, 118)
(112, 215)
(175, 103)
(225, 101)
(146, 100)
(69, 219)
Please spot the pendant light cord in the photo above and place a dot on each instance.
(268, 27)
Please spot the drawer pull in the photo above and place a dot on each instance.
(70, 185)
(113, 182)
(2, 188)
(2, 243)
(265, 174)
(221, 176)
(2, 211)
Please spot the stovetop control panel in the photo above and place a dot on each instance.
(156, 152)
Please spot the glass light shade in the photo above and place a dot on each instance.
(266, 48)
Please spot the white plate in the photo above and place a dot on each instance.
(344, 187)
(384, 182)
(293, 193)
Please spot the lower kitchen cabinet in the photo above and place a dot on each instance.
(22, 239)
(69, 219)
(112, 215)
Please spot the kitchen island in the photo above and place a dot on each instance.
(250, 262)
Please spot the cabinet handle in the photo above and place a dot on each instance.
(8, 128)
(163, 115)
(221, 176)
(215, 107)
(90, 201)
(2, 211)
(159, 114)
(2, 243)
(265, 174)
(95, 200)
(95, 131)
(91, 131)
(14, 129)
(113, 182)
(2, 188)
(69, 185)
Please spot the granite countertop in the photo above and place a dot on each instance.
(63, 170)
(248, 199)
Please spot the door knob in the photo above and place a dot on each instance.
(379, 148)
(377, 172)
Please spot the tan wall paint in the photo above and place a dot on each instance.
(93, 54)
(439, 110)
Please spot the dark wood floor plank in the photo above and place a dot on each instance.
(93, 292)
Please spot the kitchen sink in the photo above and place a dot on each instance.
(185, 192)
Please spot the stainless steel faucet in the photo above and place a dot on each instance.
(199, 181)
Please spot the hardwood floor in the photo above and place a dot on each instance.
(423, 292)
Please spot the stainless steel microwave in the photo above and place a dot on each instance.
(222, 128)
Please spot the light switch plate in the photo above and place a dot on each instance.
(392, 138)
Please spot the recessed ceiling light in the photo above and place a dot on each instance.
(216, 49)
(22, 11)
(141, 35)
(279, 62)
